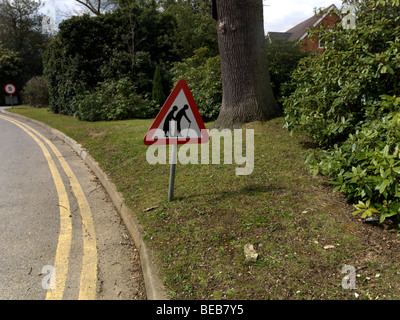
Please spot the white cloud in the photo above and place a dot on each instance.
(281, 15)
(62, 9)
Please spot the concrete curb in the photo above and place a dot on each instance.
(155, 289)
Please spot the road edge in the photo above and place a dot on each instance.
(155, 289)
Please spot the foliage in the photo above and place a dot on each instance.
(345, 99)
(35, 93)
(366, 167)
(283, 58)
(112, 100)
(203, 74)
(21, 31)
(129, 42)
(334, 88)
(157, 92)
(194, 26)
(92, 50)
(65, 76)
(10, 67)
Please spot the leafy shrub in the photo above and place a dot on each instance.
(283, 58)
(359, 65)
(157, 92)
(124, 43)
(346, 100)
(10, 69)
(203, 74)
(112, 100)
(194, 27)
(35, 93)
(366, 167)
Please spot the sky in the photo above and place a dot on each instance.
(62, 9)
(279, 15)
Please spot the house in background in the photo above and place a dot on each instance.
(299, 33)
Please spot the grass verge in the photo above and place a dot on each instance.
(289, 216)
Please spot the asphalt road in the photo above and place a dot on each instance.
(60, 236)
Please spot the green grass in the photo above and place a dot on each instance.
(198, 239)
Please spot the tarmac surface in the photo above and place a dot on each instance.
(60, 235)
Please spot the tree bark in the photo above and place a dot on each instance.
(247, 92)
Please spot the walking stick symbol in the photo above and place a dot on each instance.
(187, 132)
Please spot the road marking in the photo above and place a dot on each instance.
(87, 289)
(65, 236)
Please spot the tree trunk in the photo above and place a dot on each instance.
(247, 92)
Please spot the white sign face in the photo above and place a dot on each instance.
(179, 120)
(184, 125)
(9, 88)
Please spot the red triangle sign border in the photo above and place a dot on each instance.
(204, 138)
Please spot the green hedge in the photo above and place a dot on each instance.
(89, 51)
(113, 100)
(203, 75)
(346, 100)
(366, 167)
(35, 93)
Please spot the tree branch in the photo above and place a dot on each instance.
(90, 6)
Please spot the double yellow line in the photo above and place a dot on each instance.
(87, 288)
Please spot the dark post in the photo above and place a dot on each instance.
(214, 10)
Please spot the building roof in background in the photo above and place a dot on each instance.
(279, 35)
(299, 31)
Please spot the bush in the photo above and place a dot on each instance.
(113, 100)
(158, 92)
(334, 89)
(366, 167)
(203, 74)
(35, 93)
(124, 43)
(10, 69)
(283, 58)
(346, 100)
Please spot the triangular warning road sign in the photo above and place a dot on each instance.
(179, 120)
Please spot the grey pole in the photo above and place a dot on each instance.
(173, 159)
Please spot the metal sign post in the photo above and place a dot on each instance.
(10, 89)
(178, 114)
(173, 159)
